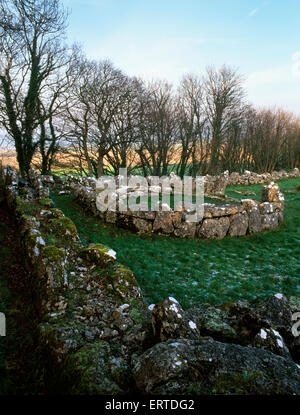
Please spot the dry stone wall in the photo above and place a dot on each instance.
(250, 216)
(249, 177)
(92, 312)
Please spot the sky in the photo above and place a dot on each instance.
(166, 39)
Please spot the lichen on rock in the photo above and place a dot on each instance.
(99, 254)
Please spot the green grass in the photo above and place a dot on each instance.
(197, 271)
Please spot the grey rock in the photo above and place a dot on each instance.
(214, 228)
(205, 366)
(169, 321)
(239, 224)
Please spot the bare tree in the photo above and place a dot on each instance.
(126, 122)
(224, 107)
(32, 52)
(157, 129)
(191, 119)
(268, 132)
(99, 93)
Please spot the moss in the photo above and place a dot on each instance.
(214, 324)
(63, 229)
(138, 312)
(96, 247)
(226, 384)
(24, 207)
(124, 273)
(64, 223)
(53, 253)
(98, 254)
(46, 202)
(236, 383)
(124, 284)
(98, 369)
(56, 213)
(54, 240)
(294, 303)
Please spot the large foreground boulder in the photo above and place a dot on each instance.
(206, 366)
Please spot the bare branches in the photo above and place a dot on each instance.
(31, 45)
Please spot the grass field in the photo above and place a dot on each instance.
(211, 271)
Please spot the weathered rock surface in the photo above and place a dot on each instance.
(214, 228)
(216, 185)
(239, 224)
(276, 313)
(271, 340)
(213, 322)
(99, 369)
(169, 321)
(163, 223)
(184, 366)
(99, 254)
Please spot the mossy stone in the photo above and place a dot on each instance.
(99, 369)
(98, 254)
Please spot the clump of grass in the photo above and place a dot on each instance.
(211, 271)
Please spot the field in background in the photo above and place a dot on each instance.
(66, 163)
(199, 271)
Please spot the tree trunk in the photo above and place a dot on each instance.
(100, 167)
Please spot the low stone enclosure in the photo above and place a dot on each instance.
(247, 217)
(97, 335)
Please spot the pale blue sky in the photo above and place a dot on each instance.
(167, 38)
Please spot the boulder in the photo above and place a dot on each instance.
(213, 322)
(169, 321)
(271, 340)
(65, 228)
(255, 219)
(216, 185)
(51, 282)
(270, 221)
(276, 312)
(206, 366)
(124, 283)
(214, 211)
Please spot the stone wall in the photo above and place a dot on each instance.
(250, 216)
(249, 177)
(98, 336)
(93, 315)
